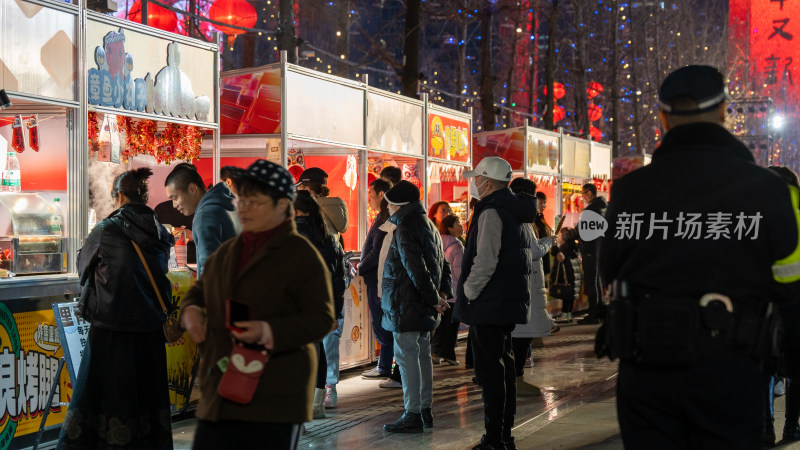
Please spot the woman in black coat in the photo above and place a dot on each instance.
(121, 397)
(567, 269)
(311, 225)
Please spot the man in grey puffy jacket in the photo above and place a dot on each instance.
(215, 219)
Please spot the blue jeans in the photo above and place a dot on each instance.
(413, 354)
(331, 343)
(383, 337)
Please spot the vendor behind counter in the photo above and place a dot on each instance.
(167, 214)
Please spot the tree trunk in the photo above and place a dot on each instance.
(410, 77)
(580, 94)
(613, 82)
(533, 93)
(487, 67)
(635, 81)
(462, 63)
(512, 65)
(249, 41)
(550, 64)
(287, 39)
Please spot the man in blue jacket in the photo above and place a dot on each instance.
(493, 292)
(215, 219)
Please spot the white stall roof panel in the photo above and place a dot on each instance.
(601, 161)
(568, 157)
(322, 109)
(582, 157)
(393, 125)
(38, 52)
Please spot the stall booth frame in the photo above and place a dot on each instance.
(19, 293)
(527, 172)
(360, 149)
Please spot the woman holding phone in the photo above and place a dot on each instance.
(282, 280)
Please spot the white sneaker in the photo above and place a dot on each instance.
(390, 384)
(331, 397)
(372, 374)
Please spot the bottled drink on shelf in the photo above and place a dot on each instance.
(57, 221)
(12, 174)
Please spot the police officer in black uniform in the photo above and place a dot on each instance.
(699, 243)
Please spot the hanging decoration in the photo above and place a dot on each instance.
(594, 89)
(558, 113)
(351, 174)
(157, 16)
(18, 137)
(595, 133)
(233, 12)
(94, 132)
(297, 163)
(595, 112)
(33, 132)
(175, 143)
(559, 91)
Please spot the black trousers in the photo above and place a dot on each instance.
(592, 283)
(236, 434)
(494, 369)
(322, 366)
(443, 341)
(716, 403)
(522, 348)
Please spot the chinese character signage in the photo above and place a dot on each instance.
(30, 351)
(448, 138)
(770, 31)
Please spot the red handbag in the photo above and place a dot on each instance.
(240, 380)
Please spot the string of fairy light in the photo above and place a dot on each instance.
(635, 102)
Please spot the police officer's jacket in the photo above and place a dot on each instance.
(702, 217)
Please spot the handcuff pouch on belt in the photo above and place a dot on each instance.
(671, 332)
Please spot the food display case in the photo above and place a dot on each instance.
(31, 235)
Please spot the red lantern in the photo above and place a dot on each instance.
(595, 133)
(594, 89)
(595, 112)
(558, 113)
(233, 12)
(157, 17)
(558, 90)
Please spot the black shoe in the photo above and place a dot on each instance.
(407, 423)
(589, 321)
(791, 432)
(510, 445)
(486, 445)
(427, 418)
(768, 440)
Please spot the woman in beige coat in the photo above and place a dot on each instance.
(282, 279)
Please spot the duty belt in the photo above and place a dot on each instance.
(673, 331)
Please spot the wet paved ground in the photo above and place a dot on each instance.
(576, 409)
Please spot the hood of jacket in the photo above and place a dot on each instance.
(139, 224)
(218, 195)
(334, 210)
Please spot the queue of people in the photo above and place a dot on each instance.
(689, 329)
